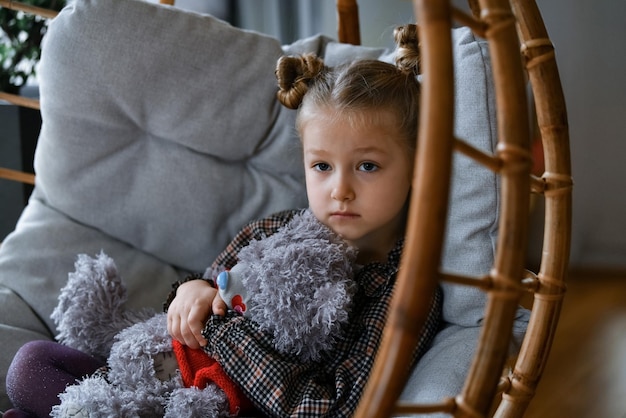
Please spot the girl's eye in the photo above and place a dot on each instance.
(321, 167)
(368, 167)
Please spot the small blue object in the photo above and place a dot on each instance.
(222, 280)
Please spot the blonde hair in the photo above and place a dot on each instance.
(306, 84)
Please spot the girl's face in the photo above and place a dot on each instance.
(358, 178)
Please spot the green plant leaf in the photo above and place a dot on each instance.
(20, 43)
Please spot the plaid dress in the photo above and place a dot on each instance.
(280, 385)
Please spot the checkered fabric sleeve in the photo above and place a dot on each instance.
(280, 385)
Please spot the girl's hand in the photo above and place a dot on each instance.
(195, 300)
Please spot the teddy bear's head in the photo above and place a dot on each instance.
(297, 285)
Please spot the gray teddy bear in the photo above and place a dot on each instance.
(304, 310)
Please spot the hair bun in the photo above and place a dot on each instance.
(294, 74)
(407, 51)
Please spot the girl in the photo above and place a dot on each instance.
(358, 126)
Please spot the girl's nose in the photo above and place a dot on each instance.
(342, 190)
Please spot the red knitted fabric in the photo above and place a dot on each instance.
(199, 369)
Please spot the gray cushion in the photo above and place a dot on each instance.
(162, 136)
(473, 212)
(172, 127)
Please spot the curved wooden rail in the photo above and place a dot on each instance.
(421, 256)
(551, 111)
(28, 8)
(348, 29)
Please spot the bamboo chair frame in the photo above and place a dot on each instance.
(509, 27)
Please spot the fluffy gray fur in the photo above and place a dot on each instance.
(91, 317)
(91, 308)
(302, 281)
(131, 388)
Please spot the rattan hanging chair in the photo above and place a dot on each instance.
(509, 27)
